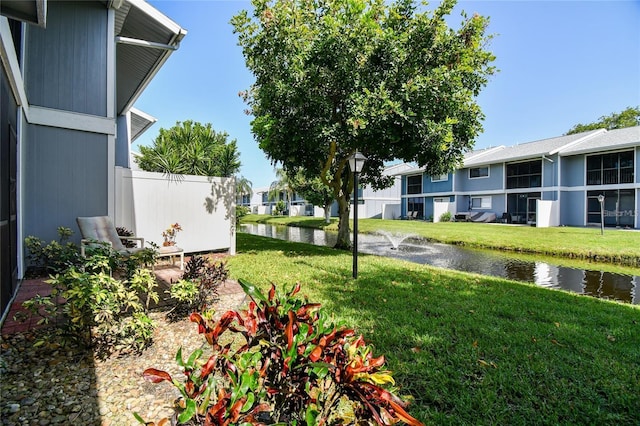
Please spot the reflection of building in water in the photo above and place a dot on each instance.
(571, 279)
(611, 286)
(546, 275)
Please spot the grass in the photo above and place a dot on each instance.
(615, 246)
(470, 349)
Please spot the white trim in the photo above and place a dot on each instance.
(21, 123)
(484, 153)
(178, 34)
(439, 178)
(72, 120)
(9, 60)
(111, 64)
(144, 43)
(157, 16)
(577, 141)
(41, 10)
(488, 167)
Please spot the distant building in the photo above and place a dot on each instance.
(550, 182)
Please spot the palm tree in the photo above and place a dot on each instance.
(191, 148)
(243, 186)
(281, 184)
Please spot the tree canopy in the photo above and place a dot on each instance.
(336, 76)
(630, 117)
(191, 148)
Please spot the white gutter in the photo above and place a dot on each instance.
(144, 43)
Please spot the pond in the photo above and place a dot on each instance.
(541, 271)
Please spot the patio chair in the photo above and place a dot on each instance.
(101, 228)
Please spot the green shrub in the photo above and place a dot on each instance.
(44, 259)
(279, 208)
(241, 211)
(100, 310)
(445, 217)
(293, 365)
(198, 287)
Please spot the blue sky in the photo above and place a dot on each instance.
(561, 63)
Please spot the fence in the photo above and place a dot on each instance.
(148, 203)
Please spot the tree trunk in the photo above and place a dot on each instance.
(327, 213)
(344, 236)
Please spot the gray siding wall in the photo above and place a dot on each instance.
(572, 212)
(494, 181)
(550, 172)
(122, 143)
(66, 63)
(65, 176)
(436, 187)
(573, 172)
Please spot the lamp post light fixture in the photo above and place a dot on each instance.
(356, 161)
(601, 201)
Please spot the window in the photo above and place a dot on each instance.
(618, 208)
(478, 172)
(610, 169)
(480, 202)
(414, 184)
(524, 175)
(440, 178)
(416, 205)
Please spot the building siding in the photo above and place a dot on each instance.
(574, 216)
(493, 181)
(54, 195)
(573, 170)
(66, 63)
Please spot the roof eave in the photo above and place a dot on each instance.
(177, 34)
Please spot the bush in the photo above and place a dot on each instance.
(293, 366)
(280, 208)
(445, 217)
(55, 257)
(100, 310)
(198, 287)
(241, 211)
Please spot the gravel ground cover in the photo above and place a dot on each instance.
(55, 385)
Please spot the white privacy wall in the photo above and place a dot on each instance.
(148, 203)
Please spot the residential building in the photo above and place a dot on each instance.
(560, 177)
(71, 72)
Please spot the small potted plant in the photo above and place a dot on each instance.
(169, 234)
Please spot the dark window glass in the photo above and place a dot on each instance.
(610, 169)
(477, 172)
(524, 175)
(414, 184)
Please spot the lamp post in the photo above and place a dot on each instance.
(356, 161)
(601, 200)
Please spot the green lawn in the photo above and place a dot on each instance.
(470, 349)
(616, 245)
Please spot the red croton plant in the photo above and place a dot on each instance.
(293, 366)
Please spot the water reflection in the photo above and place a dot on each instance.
(415, 249)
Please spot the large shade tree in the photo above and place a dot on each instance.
(191, 148)
(315, 192)
(389, 80)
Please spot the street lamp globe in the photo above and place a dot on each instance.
(356, 161)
